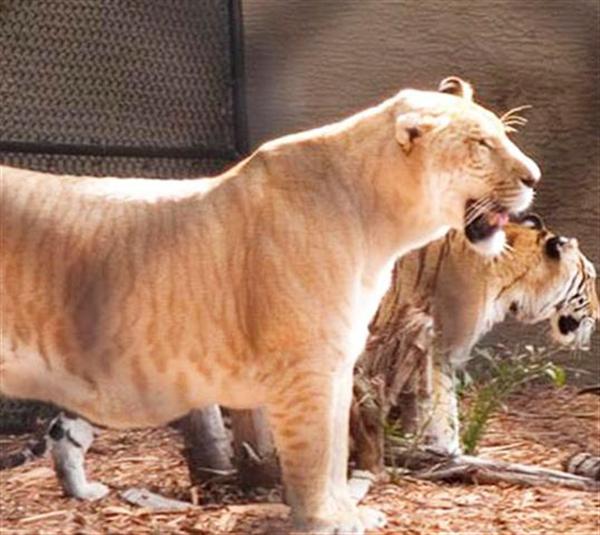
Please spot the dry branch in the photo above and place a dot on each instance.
(254, 449)
(154, 502)
(466, 468)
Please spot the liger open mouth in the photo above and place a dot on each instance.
(483, 226)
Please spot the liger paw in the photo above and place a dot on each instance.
(372, 518)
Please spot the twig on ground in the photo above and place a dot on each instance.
(436, 467)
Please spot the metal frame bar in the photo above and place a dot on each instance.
(238, 75)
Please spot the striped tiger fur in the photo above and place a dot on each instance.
(583, 464)
(443, 299)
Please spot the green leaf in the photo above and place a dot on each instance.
(557, 374)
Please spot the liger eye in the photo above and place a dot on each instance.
(484, 143)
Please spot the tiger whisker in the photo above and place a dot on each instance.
(508, 250)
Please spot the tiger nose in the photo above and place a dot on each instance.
(530, 174)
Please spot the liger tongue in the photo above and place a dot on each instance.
(497, 219)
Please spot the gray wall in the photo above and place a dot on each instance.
(309, 62)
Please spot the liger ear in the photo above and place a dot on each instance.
(454, 85)
(412, 126)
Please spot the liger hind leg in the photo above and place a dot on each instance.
(70, 438)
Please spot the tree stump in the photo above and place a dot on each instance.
(254, 449)
(207, 444)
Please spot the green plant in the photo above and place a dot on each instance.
(504, 371)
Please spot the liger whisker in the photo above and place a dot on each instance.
(475, 211)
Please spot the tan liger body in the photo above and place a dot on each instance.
(131, 302)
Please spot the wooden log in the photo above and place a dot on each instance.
(466, 468)
(254, 449)
(207, 444)
(593, 389)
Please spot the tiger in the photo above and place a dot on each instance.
(443, 299)
(130, 302)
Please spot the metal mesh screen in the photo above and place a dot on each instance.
(121, 87)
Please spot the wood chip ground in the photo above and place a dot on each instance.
(540, 426)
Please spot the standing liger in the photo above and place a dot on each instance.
(131, 302)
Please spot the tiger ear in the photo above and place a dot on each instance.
(412, 126)
(556, 245)
(454, 85)
(533, 221)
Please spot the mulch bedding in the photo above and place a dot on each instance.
(541, 426)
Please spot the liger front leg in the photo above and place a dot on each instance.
(309, 417)
(302, 416)
(354, 490)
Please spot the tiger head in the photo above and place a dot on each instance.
(560, 282)
(480, 175)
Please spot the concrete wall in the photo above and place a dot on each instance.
(310, 62)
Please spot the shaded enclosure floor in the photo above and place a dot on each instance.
(540, 426)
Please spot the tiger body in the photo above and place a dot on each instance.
(131, 302)
(445, 297)
(468, 294)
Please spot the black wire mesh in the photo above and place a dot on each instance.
(121, 87)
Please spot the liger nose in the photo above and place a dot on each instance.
(531, 174)
(529, 181)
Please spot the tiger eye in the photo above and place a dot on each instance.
(553, 247)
